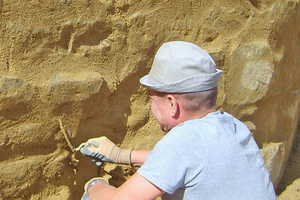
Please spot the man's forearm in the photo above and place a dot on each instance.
(138, 157)
(136, 187)
(101, 191)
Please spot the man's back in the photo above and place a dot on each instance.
(214, 157)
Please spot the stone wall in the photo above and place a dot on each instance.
(80, 62)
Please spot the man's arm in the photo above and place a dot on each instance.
(138, 157)
(136, 187)
(103, 150)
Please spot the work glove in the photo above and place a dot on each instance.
(103, 150)
(89, 184)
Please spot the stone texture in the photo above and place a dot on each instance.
(80, 61)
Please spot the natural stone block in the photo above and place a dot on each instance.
(273, 157)
(71, 87)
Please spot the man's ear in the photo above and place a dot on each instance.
(173, 105)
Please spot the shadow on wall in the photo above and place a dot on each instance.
(292, 170)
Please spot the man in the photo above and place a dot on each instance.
(206, 154)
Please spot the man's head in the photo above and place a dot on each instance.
(171, 109)
(182, 83)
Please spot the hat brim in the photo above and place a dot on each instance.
(197, 83)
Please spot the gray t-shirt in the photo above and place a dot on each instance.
(214, 157)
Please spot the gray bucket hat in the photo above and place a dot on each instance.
(182, 67)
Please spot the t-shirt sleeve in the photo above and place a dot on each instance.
(172, 163)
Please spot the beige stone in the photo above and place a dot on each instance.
(80, 61)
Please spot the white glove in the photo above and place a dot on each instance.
(103, 150)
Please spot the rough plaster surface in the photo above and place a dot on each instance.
(80, 61)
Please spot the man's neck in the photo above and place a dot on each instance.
(197, 115)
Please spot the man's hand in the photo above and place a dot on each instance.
(91, 183)
(103, 150)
